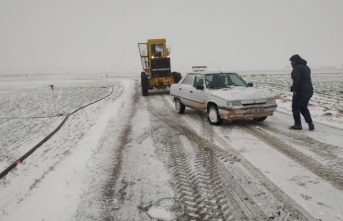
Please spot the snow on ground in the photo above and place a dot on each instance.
(74, 175)
(301, 185)
(83, 139)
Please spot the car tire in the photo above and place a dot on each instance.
(260, 118)
(180, 107)
(213, 115)
(144, 84)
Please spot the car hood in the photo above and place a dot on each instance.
(239, 93)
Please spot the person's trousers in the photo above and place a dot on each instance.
(299, 105)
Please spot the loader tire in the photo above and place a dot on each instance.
(176, 77)
(144, 84)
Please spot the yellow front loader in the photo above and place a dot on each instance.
(156, 65)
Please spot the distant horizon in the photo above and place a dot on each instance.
(42, 71)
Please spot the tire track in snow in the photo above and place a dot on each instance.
(333, 155)
(251, 185)
(194, 180)
(109, 191)
(215, 179)
(102, 198)
(333, 176)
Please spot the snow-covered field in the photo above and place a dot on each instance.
(122, 156)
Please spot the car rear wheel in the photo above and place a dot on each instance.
(180, 107)
(260, 118)
(213, 115)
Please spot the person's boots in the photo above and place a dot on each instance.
(311, 126)
(296, 127)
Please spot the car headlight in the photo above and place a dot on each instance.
(271, 101)
(233, 103)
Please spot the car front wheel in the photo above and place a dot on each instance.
(179, 106)
(213, 115)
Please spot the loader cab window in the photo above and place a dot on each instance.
(157, 50)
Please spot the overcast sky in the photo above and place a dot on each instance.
(98, 35)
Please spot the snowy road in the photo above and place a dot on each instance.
(129, 157)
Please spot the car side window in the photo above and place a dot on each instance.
(208, 79)
(189, 79)
(199, 81)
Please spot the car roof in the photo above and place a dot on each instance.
(211, 72)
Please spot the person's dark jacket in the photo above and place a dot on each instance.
(301, 76)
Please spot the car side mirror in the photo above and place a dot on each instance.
(200, 87)
(250, 84)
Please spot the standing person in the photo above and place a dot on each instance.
(302, 92)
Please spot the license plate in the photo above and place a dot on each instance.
(254, 111)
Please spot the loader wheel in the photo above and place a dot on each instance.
(145, 84)
(213, 115)
(180, 107)
(176, 77)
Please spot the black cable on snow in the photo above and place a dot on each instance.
(20, 118)
(21, 159)
(92, 103)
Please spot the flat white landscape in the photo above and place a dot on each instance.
(123, 156)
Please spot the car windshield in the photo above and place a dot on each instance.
(223, 80)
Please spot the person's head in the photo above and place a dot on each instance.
(295, 59)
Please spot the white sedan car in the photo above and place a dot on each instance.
(223, 96)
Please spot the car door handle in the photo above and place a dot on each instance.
(191, 91)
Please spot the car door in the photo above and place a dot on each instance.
(198, 95)
(184, 90)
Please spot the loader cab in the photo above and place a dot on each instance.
(156, 62)
(157, 48)
(155, 57)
